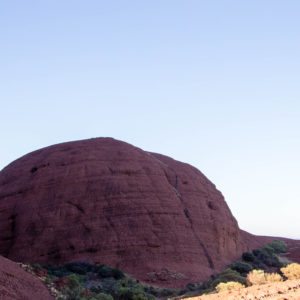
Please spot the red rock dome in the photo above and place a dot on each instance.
(106, 201)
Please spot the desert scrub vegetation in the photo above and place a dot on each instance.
(228, 275)
(257, 277)
(254, 267)
(84, 281)
(211, 285)
(241, 267)
(264, 258)
(278, 246)
(273, 277)
(229, 286)
(291, 271)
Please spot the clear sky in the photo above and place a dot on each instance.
(212, 83)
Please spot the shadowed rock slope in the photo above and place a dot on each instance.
(17, 284)
(106, 201)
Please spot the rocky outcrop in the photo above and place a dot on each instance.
(107, 201)
(17, 284)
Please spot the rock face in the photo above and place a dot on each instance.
(293, 250)
(17, 284)
(106, 201)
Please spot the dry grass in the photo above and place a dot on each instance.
(256, 277)
(291, 271)
(273, 277)
(289, 289)
(229, 286)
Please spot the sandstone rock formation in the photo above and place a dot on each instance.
(106, 201)
(17, 284)
(293, 250)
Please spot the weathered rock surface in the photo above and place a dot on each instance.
(17, 284)
(107, 201)
(293, 252)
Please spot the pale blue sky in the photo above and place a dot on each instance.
(212, 83)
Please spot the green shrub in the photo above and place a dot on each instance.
(166, 292)
(84, 281)
(36, 267)
(117, 274)
(73, 281)
(73, 293)
(161, 292)
(270, 250)
(260, 254)
(79, 267)
(58, 271)
(248, 257)
(241, 267)
(102, 296)
(265, 256)
(278, 246)
(135, 293)
(104, 271)
(194, 287)
(226, 276)
(258, 264)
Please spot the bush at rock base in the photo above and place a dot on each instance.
(241, 267)
(227, 276)
(291, 271)
(257, 277)
(273, 277)
(85, 281)
(229, 286)
(278, 246)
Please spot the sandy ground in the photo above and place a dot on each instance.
(288, 290)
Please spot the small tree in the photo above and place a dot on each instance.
(241, 267)
(228, 275)
(248, 256)
(278, 246)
